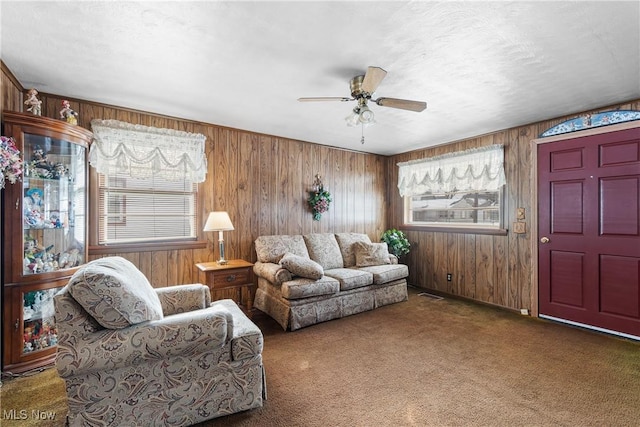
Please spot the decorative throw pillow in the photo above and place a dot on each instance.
(346, 241)
(115, 293)
(368, 254)
(300, 266)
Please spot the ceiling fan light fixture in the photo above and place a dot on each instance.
(363, 88)
(366, 116)
(353, 119)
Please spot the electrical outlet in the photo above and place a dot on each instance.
(524, 311)
(449, 277)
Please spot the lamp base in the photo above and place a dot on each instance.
(221, 261)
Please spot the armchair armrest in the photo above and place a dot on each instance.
(185, 334)
(274, 273)
(183, 298)
(393, 259)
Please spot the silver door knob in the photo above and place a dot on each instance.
(544, 240)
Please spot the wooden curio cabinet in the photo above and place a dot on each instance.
(44, 230)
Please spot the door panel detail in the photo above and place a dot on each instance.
(619, 198)
(566, 207)
(620, 153)
(566, 160)
(567, 272)
(620, 285)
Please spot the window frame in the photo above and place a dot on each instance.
(95, 248)
(467, 228)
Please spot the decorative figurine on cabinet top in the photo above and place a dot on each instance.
(67, 114)
(35, 105)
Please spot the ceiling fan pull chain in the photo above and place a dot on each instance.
(362, 139)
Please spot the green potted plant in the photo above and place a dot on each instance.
(396, 240)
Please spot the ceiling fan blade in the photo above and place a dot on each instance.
(403, 104)
(372, 79)
(325, 98)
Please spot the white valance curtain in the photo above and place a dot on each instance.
(142, 151)
(476, 169)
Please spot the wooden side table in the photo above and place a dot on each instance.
(237, 273)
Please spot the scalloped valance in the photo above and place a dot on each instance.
(477, 169)
(142, 151)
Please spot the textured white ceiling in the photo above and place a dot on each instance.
(480, 66)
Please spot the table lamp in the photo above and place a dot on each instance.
(220, 222)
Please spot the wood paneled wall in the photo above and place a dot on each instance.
(262, 181)
(10, 90)
(488, 268)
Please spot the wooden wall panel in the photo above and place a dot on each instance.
(490, 269)
(11, 91)
(469, 270)
(261, 180)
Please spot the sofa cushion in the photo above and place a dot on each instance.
(368, 254)
(304, 288)
(345, 243)
(323, 249)
(273, 248)
(115, 293)
(301, 266)
(387, 273)
(272, 272)
(350, 278)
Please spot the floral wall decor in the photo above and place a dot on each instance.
(319, 199)
(10, 161)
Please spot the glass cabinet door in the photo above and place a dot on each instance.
(39, 328)
(54, 205)
(44, 234)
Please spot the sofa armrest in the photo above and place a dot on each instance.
(185, 335)
(184, 298)
(393, 259)
(274, 273)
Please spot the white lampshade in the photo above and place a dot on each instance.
(218, 221)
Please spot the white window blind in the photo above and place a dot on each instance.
(478, 169)
(147, 182)
(135, 210)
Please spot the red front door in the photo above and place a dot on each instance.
(589, 230)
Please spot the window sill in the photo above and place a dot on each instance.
(462, 230)
(146, 247)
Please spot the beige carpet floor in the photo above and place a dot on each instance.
(423, 362)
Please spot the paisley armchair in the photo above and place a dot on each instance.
(131, 354)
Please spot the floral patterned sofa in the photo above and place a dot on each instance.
(304, 280)
(132, 355)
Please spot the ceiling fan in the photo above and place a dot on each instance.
(362, 89)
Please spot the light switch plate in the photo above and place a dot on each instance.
(520, 214)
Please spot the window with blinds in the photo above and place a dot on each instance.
(139, 210)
